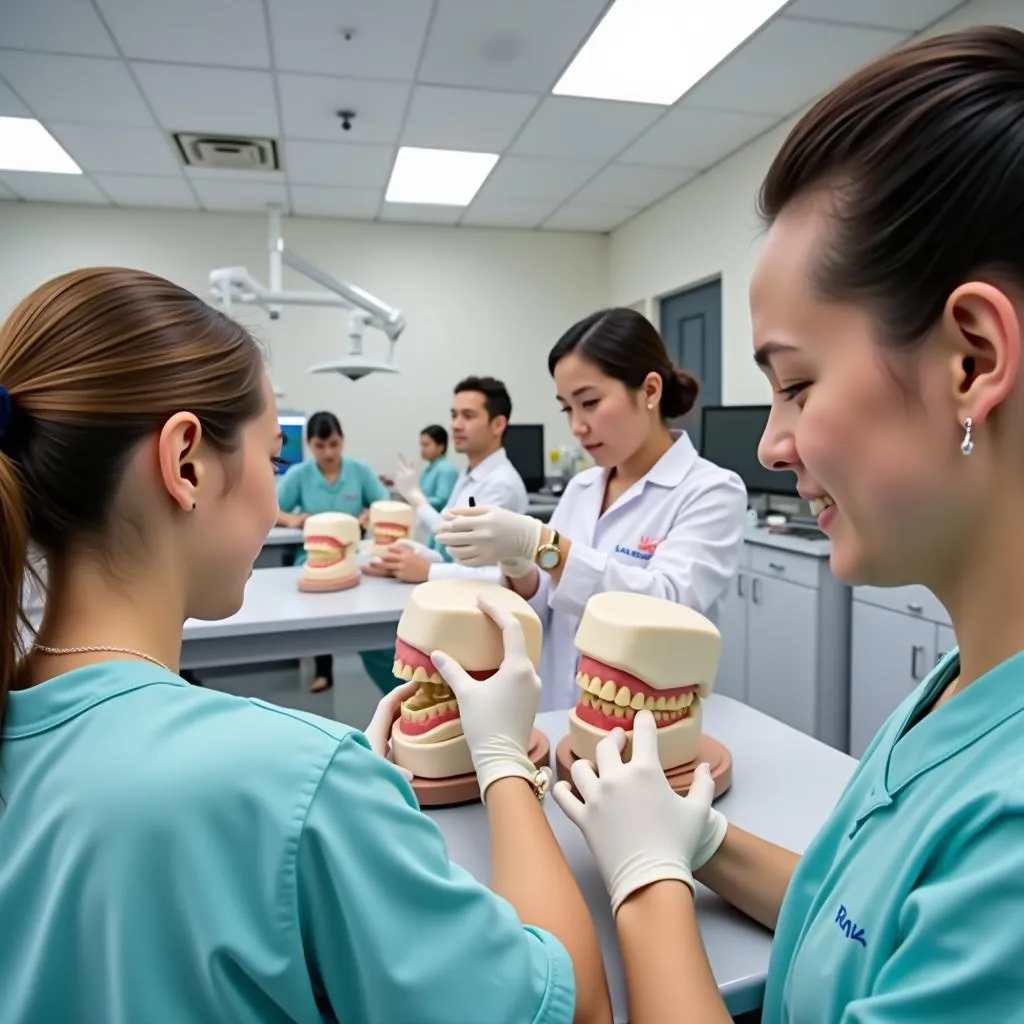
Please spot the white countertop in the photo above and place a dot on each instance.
(785, 784)
(788, 542)
(284, 535)
(274, 604)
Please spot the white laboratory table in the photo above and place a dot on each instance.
(279, 548)
(279, 622)
(785, 784)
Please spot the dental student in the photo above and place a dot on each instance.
(652, 516)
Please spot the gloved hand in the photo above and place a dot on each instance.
(407, 483)
(639, 830)
(491, 536)
(497, 713)
(378, 732)
(427, 554)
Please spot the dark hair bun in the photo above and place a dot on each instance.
(679, 393)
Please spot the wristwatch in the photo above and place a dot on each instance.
(549, 556)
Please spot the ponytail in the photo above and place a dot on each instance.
(14, 575)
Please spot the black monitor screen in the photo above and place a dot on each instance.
(729, 437)
(524, 445)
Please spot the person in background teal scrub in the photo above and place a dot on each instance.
(176, 854)
(887, 308)
(437, 481)
(326, 483)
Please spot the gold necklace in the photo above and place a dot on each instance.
(99, 650)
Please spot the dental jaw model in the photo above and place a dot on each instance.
(331, 542)
(639, 652)
(427, 738)
(390, 521)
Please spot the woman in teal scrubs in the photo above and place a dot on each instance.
(437, 481)
(326, 483)
(174, 854)
(888, 317)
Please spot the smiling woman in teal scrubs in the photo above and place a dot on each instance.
(326, 483)
(888, 317)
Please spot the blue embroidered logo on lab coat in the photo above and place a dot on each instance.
(849, 927)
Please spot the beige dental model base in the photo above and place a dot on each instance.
(427, 738)
(331, 542)
(390, 521)
(639, 652)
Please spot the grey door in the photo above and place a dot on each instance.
(691, 324)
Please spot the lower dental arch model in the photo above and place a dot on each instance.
(390, 521)
(427, 738)
(639, 652)
(331, 541)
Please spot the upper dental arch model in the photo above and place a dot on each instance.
(331, 541)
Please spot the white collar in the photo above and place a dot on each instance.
(669, 471)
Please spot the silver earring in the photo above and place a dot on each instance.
(967, 444)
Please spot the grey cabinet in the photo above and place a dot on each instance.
(897, 637)
(785, 626)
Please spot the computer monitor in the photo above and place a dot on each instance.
(293, 431)
(729, 437)
(524, 445)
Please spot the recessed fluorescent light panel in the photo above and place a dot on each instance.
(653, 51)
(441, 177)
(25, 145)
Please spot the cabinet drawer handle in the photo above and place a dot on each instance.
(739, 584)
(916, 652)
(777, 566)
(913, 606)
(756, 595)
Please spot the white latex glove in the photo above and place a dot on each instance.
(427, 554)
(491, 536)
(378, 732)
(407, 483)
(497, 713)
(639, 830)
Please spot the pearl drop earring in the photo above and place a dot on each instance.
(967, 444)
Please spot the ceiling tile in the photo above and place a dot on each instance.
(239, 195)
(696, 138)
(507, 213)
(223, 100)
(338, 164)
(10, 105)
(56, 26)
(123, 150)
(84, 89)
(251, 177)
(815, 55)
(228, 33)
(506, 44)
(441, 117)
(589, 217)
(417, 213)
(583, 129)
(386, 42)
(526, 177)
(309, 106)
(910, 15)
(627, 185)
(353, 203)
(141, 190)
(53, 188)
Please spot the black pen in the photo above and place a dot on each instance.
(472, 501)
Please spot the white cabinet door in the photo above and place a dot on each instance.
(782, 652)
(731, 680)
(946, 641)
(890, 654)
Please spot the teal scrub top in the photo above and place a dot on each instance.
(437, 481)
(906, 906)
(304, 488)
(172, 854)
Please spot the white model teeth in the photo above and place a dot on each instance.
(617, 701)
(433, 698)
(411, 714)
(818, 505)
(417, 675)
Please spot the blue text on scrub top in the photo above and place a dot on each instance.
(849, 927)
(643, 556)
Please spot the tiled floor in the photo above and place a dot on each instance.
(352, 699)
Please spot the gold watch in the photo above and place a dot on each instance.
(549, 556)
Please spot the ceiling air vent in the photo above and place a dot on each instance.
(228, 152)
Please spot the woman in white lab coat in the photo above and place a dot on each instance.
(651, 516)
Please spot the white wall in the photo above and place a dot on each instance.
(709, 228)
(475, 301)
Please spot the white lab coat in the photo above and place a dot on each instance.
(494, 483)
(677, 533)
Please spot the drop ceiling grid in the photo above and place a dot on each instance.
(112, 78)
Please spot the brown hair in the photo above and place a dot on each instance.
(922, 155)
(625, 345)
(93, 362)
